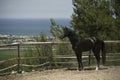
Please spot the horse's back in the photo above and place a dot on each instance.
(85, 44)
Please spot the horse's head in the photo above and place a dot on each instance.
(66, 32)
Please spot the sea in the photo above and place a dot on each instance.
(29, 27)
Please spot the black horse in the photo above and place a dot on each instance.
(80, 44)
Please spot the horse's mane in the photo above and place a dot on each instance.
(74, 33)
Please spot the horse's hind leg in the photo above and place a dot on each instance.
(97, 56)
(78, 60)
(89, 57)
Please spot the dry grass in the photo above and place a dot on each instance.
(109, 73)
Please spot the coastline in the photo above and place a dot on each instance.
(29, 27)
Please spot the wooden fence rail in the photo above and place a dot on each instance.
(36, 43)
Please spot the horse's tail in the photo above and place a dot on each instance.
(103, 52)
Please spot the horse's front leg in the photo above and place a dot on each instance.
(81, 64)
(79, 59)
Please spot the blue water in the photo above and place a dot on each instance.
(28, 26)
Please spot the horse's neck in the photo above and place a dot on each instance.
(74, 39)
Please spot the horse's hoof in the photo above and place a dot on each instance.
(97, 68)
(78, 70)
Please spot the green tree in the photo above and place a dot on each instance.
(116, 6)
(55, 29)
(93, 18)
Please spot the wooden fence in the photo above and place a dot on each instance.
(19, 58)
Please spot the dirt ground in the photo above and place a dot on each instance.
(106, 73)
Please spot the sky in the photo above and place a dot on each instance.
(35, 9)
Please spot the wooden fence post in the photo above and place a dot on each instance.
(89, 58)
(19, 59)
(51, 56)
